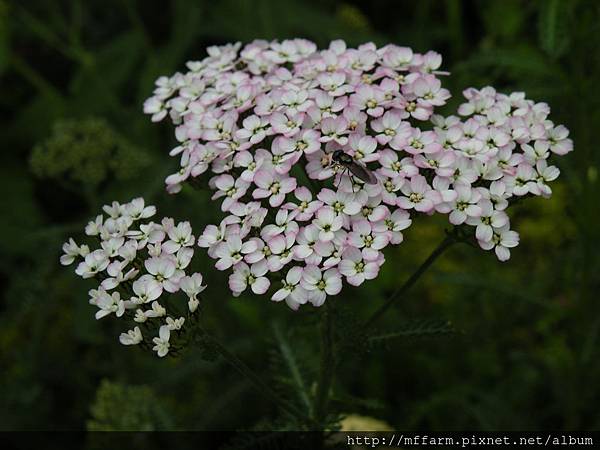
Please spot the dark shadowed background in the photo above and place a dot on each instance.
(522, 350)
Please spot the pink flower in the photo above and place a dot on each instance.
(272, 186)
(488, 221)
(333, 83)
(252, 116)
(253, 276)
(306, 141)
(389, 126)
(364, 237)
(428, 89)
(281, 249)
(419, 195)
(355, 268)
(341, 202)
(327, 222)
(501, 241)
(305, 250)
(442, 162)
(363, 148)
(306, 208)
(326, 105)
(545, 174)
(231, 189)
(393, 168)
(557, 137)
(369, 98)
(284, 223)
(465, 204)
(523, 181)
(250, 163)
(255, 129)
(334, 129)
(287, 124)
(319, 166)
(392, 225)
(293, 294)
(211, 237)
(232, 250)
(422, 142)
(320, 284)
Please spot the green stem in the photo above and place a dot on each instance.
(254, 378)
(403, 289)
(327, 367)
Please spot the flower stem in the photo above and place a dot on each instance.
(401, 290)
(254, 378)
(327, 366)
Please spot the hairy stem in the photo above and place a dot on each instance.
(327, 366)
(401, 290)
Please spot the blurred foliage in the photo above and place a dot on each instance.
(527, 352)
(119, 407)
(86, 151)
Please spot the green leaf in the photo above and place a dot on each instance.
(553, 26)
(292, 365)
(416, 328)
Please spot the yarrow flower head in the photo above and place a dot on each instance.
(265, 125)
(138, 264)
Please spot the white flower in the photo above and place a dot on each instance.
(146, 290)
(93, 227)
(109, 304)
(162, 341)
(94, 262)
(148, 233)
(114, 210)
(179, 236)
(132, 337)
(137, 210)
(115, 270)
(140, 317)
(162, 269)
(112, 245)
(193, 304)
(157, 310)
(192, 285)
(175, 324)
(129, 250)
(71, 251)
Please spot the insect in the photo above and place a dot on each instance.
(341, 159)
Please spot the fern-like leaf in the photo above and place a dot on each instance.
(415, 328)
(292, 365)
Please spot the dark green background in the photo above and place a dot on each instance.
(525, 351)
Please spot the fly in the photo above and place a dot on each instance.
(342, 159)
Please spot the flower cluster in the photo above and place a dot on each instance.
(265, 121)
(138, 263)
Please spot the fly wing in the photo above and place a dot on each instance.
(362, 173)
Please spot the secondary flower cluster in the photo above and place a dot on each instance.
(266, 120)
(138, 263)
